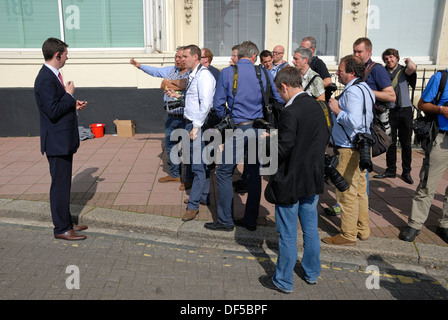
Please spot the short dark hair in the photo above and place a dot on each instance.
(265, 53)
(289, 76)
(51, 46)
(354, 64)
(366, 42)
(391, 52)
(194, 50)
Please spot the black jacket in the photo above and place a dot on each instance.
(302, 141)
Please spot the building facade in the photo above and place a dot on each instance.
(103, 35)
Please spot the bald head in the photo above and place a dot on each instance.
(277, 54)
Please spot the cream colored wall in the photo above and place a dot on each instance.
(112, 68)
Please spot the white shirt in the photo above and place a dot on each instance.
(199, 95)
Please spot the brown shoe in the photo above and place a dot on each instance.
(338, 241)
(70, 235)
(190, 215)
(185, 185)
(79, 228)
(169, 179)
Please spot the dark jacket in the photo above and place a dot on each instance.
(59, 133)
(302, 140)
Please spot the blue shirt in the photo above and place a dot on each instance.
(351, 116)
(248, 100)
(430, 93)
(378, 78)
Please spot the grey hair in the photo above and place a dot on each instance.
(247, 49)
(305, 53)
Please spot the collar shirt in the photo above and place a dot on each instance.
(248, 102)
(316, 88)
(170, 73)
(199, 95)
(351, 118)
(293, 98)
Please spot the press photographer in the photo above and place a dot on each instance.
(350, 120)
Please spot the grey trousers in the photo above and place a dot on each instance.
(421, 203)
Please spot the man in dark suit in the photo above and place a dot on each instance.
(59, 134)
(302, 139)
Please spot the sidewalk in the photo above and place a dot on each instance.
(115, 178)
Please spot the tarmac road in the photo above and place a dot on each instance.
(120, 265)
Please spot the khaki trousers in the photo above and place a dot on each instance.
(421, 203)
(354, 202)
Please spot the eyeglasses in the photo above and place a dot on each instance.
(277, 52)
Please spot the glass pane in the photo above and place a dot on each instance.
(318, 19)
(406, 25)
(103, 23)
(28, 23)
(227, 23)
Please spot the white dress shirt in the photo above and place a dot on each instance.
(199, 95)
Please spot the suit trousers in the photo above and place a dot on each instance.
(354, 202)
(61, 183)
(421, 203)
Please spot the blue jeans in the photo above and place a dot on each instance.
(200, 189)
(224, 174)
(286, 221)
(172, 123)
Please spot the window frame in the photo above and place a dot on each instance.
(149, 15)
(224, 60)
(329, 60)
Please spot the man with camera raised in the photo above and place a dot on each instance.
(352, 115)
(238, 94)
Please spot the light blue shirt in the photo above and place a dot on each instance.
(351, 116)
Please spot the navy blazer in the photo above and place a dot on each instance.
(59, 133)
(302, 140)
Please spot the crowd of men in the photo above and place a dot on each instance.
(297, 109)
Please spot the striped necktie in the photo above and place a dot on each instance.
(60, 79)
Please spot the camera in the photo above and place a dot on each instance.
(363, 142)
(330, 173)
(178, 103)
(226, 123)
(261, 123)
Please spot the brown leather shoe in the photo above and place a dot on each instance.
(70, 235)
(363, 238)
(338, 241)
(79, 228)
(185, 185)
(169, 179)
(190, 215)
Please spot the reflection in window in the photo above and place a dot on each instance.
(406, 25)
(230, 22)
(319, 19)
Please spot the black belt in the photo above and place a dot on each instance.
(244, 123)
(188, 121)
(176, 115)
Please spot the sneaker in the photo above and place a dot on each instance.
(333, 210)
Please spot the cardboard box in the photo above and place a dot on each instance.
(125, 128)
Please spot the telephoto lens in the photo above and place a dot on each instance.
(333, 175)
(363, 141)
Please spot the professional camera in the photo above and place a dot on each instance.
(363, 142)
(178, 103)
(330, 173)
(261, 123)
(226, 123)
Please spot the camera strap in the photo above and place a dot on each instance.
(234, 88)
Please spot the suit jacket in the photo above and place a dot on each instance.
(58, 119)
(302, 140)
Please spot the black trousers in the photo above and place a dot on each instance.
(61, 183)
(401, 124)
